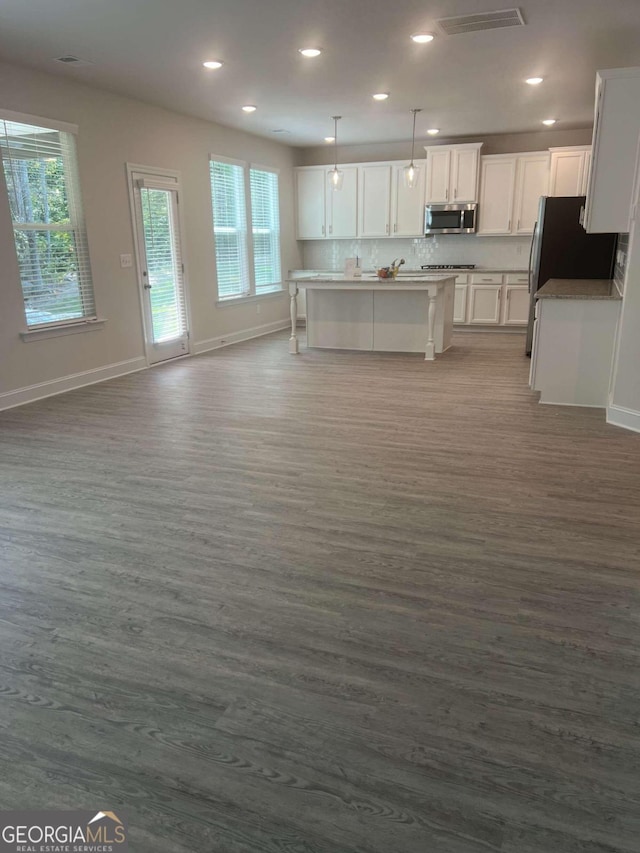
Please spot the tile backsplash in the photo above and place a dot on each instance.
(509, 253)
(620, 267)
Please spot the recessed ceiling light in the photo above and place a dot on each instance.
(433, 130)
(329, 139)
(381, 96)
(249, 108)
(310, 52)
(213, 63)
(422, 38)
(534, 81)
(549, 121)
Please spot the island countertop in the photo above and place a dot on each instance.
(335, 281)
(579, 288)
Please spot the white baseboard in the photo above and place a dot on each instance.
(236, 337)
(625, 418)
(10, 399)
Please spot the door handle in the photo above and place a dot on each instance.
(147, 286)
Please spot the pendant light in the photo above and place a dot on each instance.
(411, 171)
(335, 175)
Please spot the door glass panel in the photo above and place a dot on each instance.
(163, 265)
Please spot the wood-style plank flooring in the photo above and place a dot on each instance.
(335, 603)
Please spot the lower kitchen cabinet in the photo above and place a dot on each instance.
(491, 299)
(460, 303)
(515, 305)
(484, 304)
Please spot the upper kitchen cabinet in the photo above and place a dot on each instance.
(323, 212)
(342, 204)
(532, 181)
(510, 190)
(310, 198)
(615, 143)
(497, 187)
(374, 208)
(407, 204)
(452, 173)
(569, 170)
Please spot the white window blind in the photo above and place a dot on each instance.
(265, 221)
(40, 168)
(230, 229)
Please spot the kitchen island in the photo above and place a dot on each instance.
(408, 314)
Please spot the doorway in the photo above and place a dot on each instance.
(158, 241)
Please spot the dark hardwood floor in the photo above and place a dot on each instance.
(340, 603)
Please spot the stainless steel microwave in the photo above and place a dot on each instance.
(450, 218)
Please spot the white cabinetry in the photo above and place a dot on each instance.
(310, 199)
(497, 182)
(452, 173)
(510, 190)
(569, 171)
(615, 140)
(407, 205)
(342, 205)
(374, 208)
(492, 299)
(323, 212)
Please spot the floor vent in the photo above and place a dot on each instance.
(483, 21)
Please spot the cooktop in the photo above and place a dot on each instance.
(448, 267)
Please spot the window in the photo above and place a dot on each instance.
(246, 226)
(44, 198)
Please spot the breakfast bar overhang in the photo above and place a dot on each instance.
(408, 314)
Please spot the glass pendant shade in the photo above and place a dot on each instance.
(335, 178)
(335, 175)
(412, 171)
(411, 174)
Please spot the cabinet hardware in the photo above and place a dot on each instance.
(387, 228)
(518, 226)
(509, 226)
(446, 194)
(331, 229)
(323, 231)
(395, 227)
(455, 193)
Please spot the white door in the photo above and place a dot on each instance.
(532, 182)
(516, 305)
(310, 192)
(497, 184)
(408, 203)
(374, 201)
(160, 266)
(342, 204)
(438, 175)
(464, 180)
(567, 173)
(484, 303)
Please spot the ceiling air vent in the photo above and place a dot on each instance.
(72, 60)
(483, 21)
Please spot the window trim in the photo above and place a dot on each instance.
(278, 288)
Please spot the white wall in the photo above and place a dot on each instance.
(499, 143)
(113, 131)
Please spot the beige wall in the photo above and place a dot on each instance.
(504, 143)
(113, 131)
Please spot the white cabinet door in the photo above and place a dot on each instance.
(374, 201)
(567, 172)
(515, 305)
(460, 303)
(586, 172)
(464, 174)
(342, 204)
(438, 175)
(484, 304)
(407, 205)
(532, 182)
(310, 198)
(497, 182)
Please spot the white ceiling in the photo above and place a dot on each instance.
(468, 84)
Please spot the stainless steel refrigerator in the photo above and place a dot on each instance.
(561, 248)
